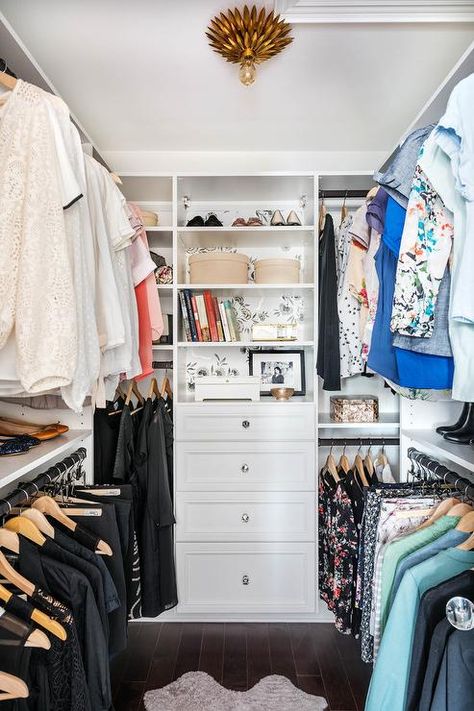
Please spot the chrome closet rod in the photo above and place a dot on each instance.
(357, 441)
(27, 489)
(439, 471)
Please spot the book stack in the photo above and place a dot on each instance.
(207, 318)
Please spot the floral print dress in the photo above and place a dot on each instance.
(424, 252)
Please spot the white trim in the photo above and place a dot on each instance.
(388, 11)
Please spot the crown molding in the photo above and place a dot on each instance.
(382, 11)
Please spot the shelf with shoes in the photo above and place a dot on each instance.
(429, 440)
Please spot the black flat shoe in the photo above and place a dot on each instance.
(444, 429)
(212, 221)
(197, 221)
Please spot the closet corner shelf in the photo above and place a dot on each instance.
(385, 421)
(244, 344)
(165, 286)
(47, 453)
(263, 228)
(163, 347)
(460, 454)
(239, 287)
(158, 228)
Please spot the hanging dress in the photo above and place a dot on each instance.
(328, 362)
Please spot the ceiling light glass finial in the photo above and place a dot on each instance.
(248, 37)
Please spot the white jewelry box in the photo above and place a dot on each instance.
(214, 387)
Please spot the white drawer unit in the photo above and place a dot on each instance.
(232, 578)
(237, 466)
(272, 516)
(245, 423)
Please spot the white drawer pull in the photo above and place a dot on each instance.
(245, 518)
(244, 468)
(245, 580)
(245, 424)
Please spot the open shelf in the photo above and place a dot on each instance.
(460, 454)
(263, 228)
(385, 421)
(15, 468)
(244, 344)
(163, 347)
(165, 286)
(239, 287)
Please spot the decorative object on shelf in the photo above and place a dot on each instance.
(248, 37)
(278, 368)
(354, 408)
(206, 366)
(215, 387)
(274, 332)
(282, 394)
(150, 219)
(289, 309)
(277, 271)
(164, 275)
(219, 268)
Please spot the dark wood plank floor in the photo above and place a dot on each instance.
(315, 657)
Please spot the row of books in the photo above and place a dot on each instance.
(206, 318)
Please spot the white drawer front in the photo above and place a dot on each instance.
(280, 421)
(236, 466)
(226, 578)
(259, 516)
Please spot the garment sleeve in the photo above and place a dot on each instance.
(70, 189)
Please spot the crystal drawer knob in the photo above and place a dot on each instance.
(245, 580)
(244, 468)
(245, 518)
(245, 424)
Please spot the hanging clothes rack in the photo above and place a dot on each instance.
(162, 365)
(439, 471)
(27, 489)
(358, 441)
(354, 194)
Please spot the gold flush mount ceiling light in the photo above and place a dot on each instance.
(248, 37)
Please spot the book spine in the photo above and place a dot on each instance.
(211, 316)
(217, 314)
(203, 317)
(225, 325)
(186, 324)
(189, 309)
(228, 311)
(196, 317)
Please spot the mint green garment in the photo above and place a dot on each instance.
(389, 683)
(397, 550)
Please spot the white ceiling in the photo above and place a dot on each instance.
(141, 77)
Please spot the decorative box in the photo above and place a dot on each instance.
(218, 268)
(215, 387)
(274, 332)
(363, 408)
(277, 271)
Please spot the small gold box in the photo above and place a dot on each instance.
(363, 408)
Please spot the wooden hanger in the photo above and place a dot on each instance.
(368, 463)
(466, 523)
(39, 617)
(344, 463)
(49, 506)
(8, 81)
(40, 521)
(359, 466)
(441, 510)
(322, 213)
(10, 574)
(460, 510)
(38, 639)
(153, 389)
(118, 394)
(19, 524)
(9, 540)
(12, 687)
(166, 388)
(344, 210)
(381, 458)
(133, 390)
(331, 467)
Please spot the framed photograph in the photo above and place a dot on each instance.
(278, 369)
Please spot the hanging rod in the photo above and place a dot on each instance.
(27, 489)
(327, 194)
(441, 472)
(6, 69)
(162, 365)
(357, 441)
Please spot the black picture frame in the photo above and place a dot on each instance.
(260, 356)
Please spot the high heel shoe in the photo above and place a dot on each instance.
(443, 429)
(277, 219)
(465, 433)
(293, 220)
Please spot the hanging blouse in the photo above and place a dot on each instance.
(348, 306)
(33, 244)
(328, 361)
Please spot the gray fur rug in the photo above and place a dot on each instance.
(197, 691)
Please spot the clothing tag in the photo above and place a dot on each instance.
(408, 513)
